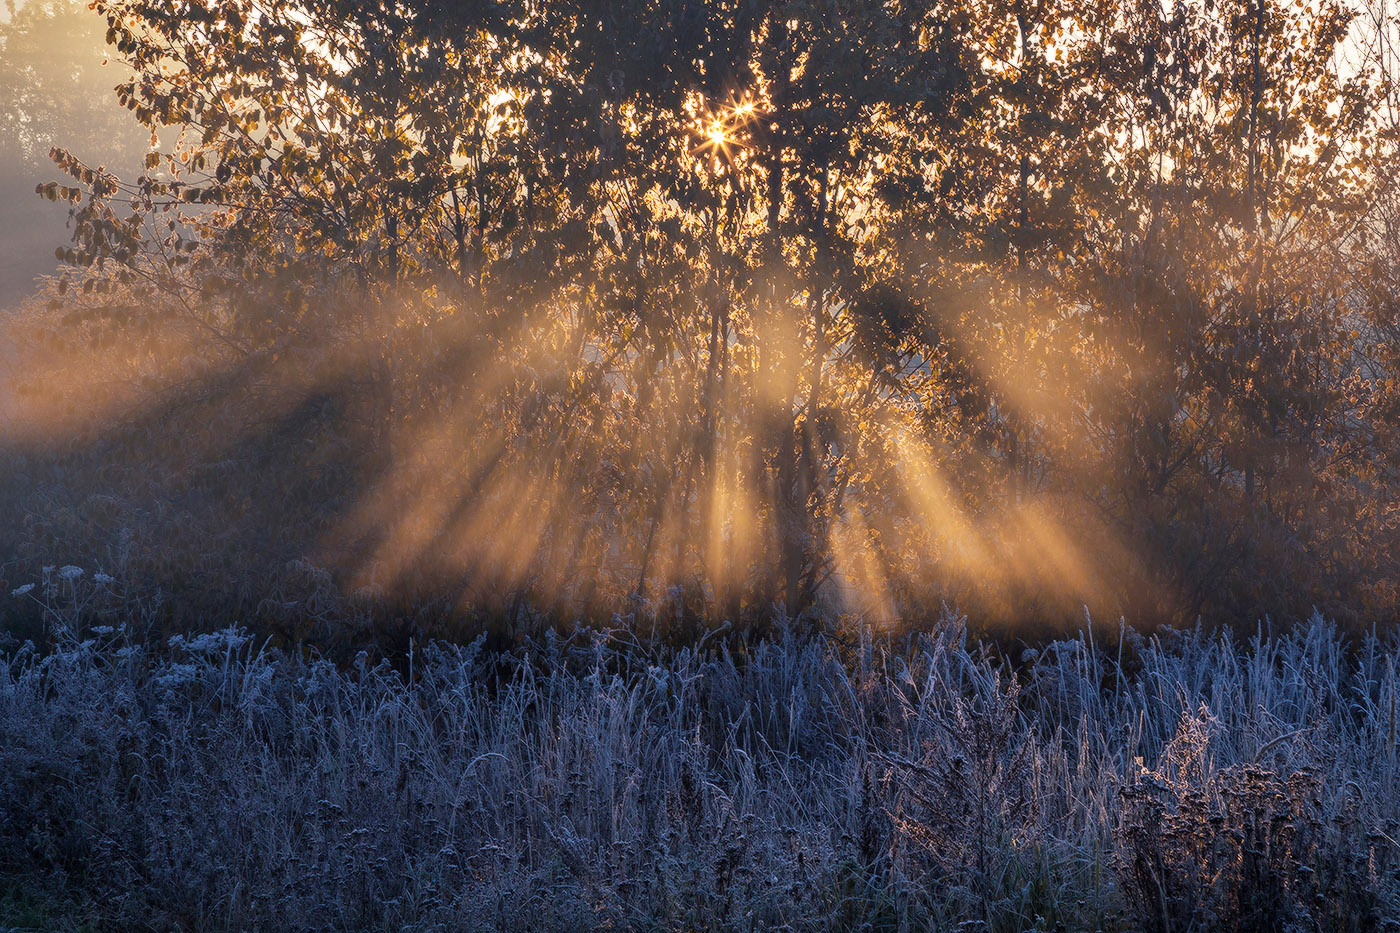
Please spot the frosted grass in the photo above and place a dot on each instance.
(1180, 782)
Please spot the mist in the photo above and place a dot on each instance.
(745, 342)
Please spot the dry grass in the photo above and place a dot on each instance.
(1180, 783)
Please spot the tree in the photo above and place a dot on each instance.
(875, 304)
(1232, 410)
(56, 86)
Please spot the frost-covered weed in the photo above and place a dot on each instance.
(75, 607)
(799, 785)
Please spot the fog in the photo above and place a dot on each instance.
(56, 89)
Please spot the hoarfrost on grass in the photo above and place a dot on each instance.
(796, 785)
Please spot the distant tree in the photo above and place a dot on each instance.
(59, 85)
(56, 87)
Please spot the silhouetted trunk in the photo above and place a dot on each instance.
(779, 364)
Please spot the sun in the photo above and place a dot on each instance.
(721, 131)
(718, 135)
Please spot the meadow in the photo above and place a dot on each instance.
(838, 779)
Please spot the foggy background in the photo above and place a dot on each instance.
(56, 88)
